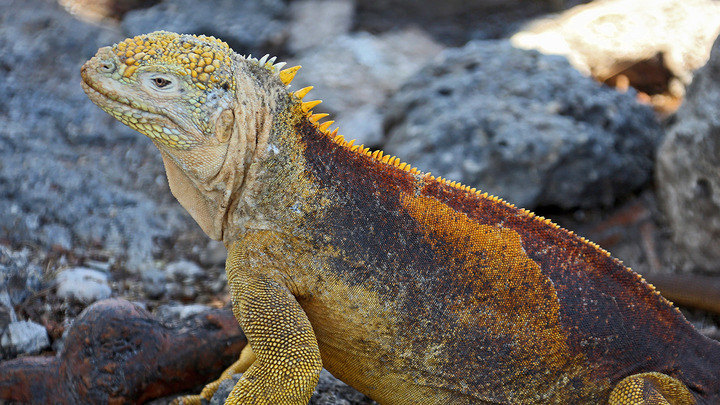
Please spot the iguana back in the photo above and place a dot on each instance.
(507, 302)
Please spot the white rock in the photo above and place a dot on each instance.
(83, 284)
(24, 337)
(184, 271)
(605, 36)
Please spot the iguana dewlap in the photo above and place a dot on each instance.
(410, 288)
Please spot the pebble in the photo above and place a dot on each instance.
(178, 313)
(23, 337)
(154, 283)
(83, 284)
(183, 279)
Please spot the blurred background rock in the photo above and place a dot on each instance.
(585, 112)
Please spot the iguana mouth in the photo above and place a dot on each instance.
(105, 95)
(108, 100)
(142, 118)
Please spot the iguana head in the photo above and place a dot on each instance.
(200, 103)
(172, 88)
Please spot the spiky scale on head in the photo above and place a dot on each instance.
(206, 60)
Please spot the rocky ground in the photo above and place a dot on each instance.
(86, 214)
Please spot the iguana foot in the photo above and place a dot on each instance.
(650, 389)
(247, 358)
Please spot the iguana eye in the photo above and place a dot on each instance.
(107, 67)
(160, 82)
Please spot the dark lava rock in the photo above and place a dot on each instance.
(248, 26)
(524, 126)
(454, 22)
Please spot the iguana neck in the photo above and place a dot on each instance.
(214, 198)
(273, 184)
(202, 200)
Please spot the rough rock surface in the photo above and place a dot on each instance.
(688, 171)
(248, 26)
(174, 313)
(331, 391)
(354, 75)
(605, 37)
(64, 178)
(524, 126)
(184, 277)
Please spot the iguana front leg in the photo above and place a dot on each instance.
(288, 364)
(650, 389)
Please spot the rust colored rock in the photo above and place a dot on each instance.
(116, 352)
(99, 10)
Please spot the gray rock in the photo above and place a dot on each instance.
(56, 235)
(69, 173)
(154, 283)
(688, 171)
(184, 271)
(83, 284)
(23, 337)
(524, 126)
(219, 285)
(7, 312)
(354, 75)
(364, 124)
(224, 390)
(329, 391)
(317, 22)
(184, 278)
(454, 22)
(214, 254)
(20, 277)
(248, 26)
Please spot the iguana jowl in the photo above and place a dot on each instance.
(411, 288)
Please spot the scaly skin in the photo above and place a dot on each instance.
(410, 288)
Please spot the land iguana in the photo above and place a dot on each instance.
(409, 287)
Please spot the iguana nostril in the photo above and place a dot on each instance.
(107, 66)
